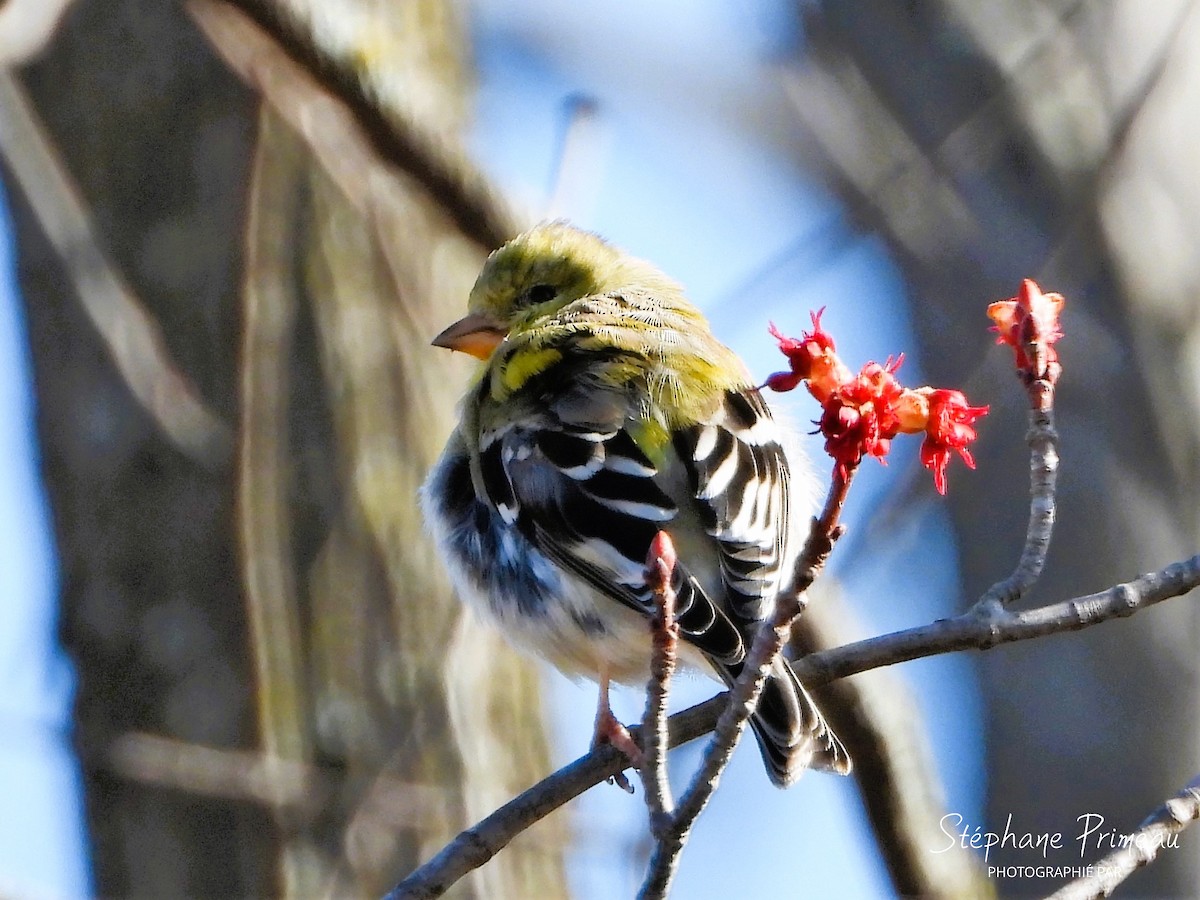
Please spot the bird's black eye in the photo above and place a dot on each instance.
(539, 293)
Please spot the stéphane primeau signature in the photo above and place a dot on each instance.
(1091, 835)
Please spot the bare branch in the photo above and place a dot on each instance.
(479, 843)
(1029, 324)
(743, 697)
(659, 572)
(969, 631)
(983, 629)
(1155, 832)
(301, 790)
(1043, 476)
(581, 159)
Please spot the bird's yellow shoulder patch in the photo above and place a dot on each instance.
(652, 438)
(519, 367)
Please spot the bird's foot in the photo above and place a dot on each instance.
(609, 730)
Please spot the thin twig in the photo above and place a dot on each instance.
(1158, 830)
(302, 791)
(271, 305)
(581, 160)
(969, 631)
(743, 697)
(660, 570)
(1043, 477)
(983, 629)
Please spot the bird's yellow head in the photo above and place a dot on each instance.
(534, 276)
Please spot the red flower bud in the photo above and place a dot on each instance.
(811, 358)
(1029, 324)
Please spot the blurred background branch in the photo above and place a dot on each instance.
(393, 100)
(131, 336)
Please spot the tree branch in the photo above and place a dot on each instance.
(660, 570)
(743, 696)
(1043, 479)
(984, 629)
(972, 630)
(1154, 833)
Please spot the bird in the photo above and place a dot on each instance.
(604, 410)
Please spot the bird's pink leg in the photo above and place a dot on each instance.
(609, 730)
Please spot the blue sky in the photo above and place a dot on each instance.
(42, 844)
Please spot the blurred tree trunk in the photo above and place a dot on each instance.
(991, 142)
(288, 600)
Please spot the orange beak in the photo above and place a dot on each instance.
(475, 334)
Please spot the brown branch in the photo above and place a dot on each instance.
(1043, 477)
(983, 629)
(665, 631)
(1155, 832)
(743, 697)
(270, 308)
(970, 631)
(479, 843)
(302, 791)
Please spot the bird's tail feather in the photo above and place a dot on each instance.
(792, 734)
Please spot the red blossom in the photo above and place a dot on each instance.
(1029, 324)
(848, 434)
(861, 414)
(948, 430)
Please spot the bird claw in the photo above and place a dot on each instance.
(621, 781)
(610, 731)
